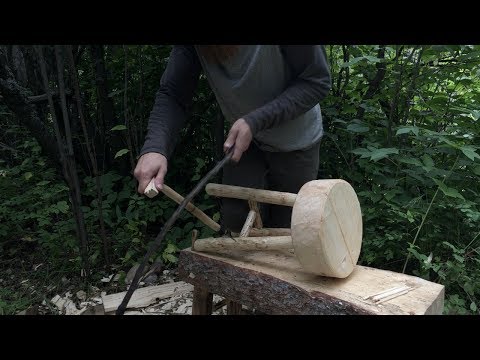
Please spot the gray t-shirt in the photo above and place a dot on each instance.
(275, 88)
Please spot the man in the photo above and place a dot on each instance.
(271, 95)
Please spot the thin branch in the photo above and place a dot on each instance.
(92, 155)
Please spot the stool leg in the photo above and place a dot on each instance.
(234, 308)
(202, 301)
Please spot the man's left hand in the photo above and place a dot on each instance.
(239, 136)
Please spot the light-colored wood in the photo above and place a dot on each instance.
(151, 191)
(392, 296)
(258, 218)
(265, 279)
(327, 227)
(146, 296)
(238, 192)
(386, 293)
(244, 243)
(326, 224)
(248, 223)
(199, 214)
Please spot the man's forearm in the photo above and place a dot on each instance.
(311, 82)
(166, 120)
(174, 97)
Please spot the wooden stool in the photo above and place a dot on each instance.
(274, 282)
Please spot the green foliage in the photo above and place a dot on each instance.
(36, 208)
(11, 303)
(33, 205)
(413, 166)
(121, 153)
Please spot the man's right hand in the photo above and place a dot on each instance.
(149, 166)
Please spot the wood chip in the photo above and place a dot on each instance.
(81, 295)
(388, 294)
(146, 296)
(107, 279)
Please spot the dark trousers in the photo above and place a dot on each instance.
(278, 171)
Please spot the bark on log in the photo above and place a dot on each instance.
(274, 283)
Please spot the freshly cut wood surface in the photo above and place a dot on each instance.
(327, 227)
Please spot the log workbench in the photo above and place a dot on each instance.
(273, 282)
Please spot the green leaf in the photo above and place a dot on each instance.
(357, 128)
(428, 161)
(473, 307)
(407, 129)
(360, 58)
(119, 127)
(473, 114)
(118, 212)
(171, 248)
(170, 258)
(389, 195)
(451, 192)
(382, 153)
(411, 161)
(62, 206)
(200, 163)
(410, 217)
(41, 183)
(351, 62)
(449, 245)
(121, 153)
(27, 175)
(361, 151)
(373, 59)
(451, 143)
(476, 170)
(469, 152)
